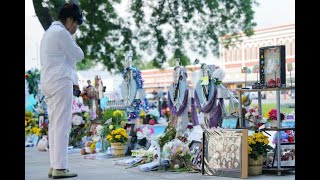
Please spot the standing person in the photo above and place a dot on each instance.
(59, 54)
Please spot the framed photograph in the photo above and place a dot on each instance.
(197, 158)
(225, 153)
(288, 155)
(229, 122)
(272, 62)
(194, 146)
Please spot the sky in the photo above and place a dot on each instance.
(269, 13)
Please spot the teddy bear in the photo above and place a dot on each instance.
(87, 149)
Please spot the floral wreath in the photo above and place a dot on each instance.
(136, 75)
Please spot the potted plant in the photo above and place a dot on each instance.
(258, 147)
(118, 139)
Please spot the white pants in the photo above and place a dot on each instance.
(59, 100)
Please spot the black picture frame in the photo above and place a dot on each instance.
(272, 63)
(287, 155)
(194, 146)
(197, 158)
(229, 122)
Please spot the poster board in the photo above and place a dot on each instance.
(225, 153)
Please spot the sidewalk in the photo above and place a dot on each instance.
(37, 165)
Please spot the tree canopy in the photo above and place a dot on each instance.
(157, 27)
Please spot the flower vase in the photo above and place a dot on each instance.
(255, 166)
(118, 149)
(161, 167)
(273, 124)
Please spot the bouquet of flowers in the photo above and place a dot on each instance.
(253, 116)
(272, 115)
(78, 130)
(118, 135)
(165, 112)
(31, 124)
(170, 133)
(154, 114)
(145, 132)
(178, 152)
(258, 145)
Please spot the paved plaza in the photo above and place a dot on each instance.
(37, 164)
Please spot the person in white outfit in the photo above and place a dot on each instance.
(59, 54)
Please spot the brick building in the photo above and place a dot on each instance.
(245, 53)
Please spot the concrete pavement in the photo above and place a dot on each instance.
(37, 165)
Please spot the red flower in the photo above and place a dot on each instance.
(26, 76)
(152, 122)
(271, 83)
(291, 139)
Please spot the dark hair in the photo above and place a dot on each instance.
(70, 10)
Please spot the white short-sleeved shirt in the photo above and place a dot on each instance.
(59, 54)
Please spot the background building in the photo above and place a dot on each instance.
(245, 53)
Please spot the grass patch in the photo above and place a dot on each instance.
(267, 106)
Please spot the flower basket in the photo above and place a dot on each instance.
(118, 149)
(255, 166)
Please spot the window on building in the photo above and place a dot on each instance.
(235, 51)
(288, 48)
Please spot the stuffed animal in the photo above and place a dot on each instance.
(283, 137)
(43, 144)
(87, 149)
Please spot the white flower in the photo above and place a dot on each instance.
(77, 120)
(255, 114)
(99, 129)
(247, 115)
(154, 112)
(140, 135)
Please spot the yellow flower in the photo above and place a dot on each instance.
(93, 146)
(118, 136)
(38, 132)
(117, 113)
(108, 137)
(111, 127)
(267, 115)
(27, 119)
(249, 150)
(243, 99)
(266, 141)
(34, 130)
(142, 113)
(260, 140)
(250, 140)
